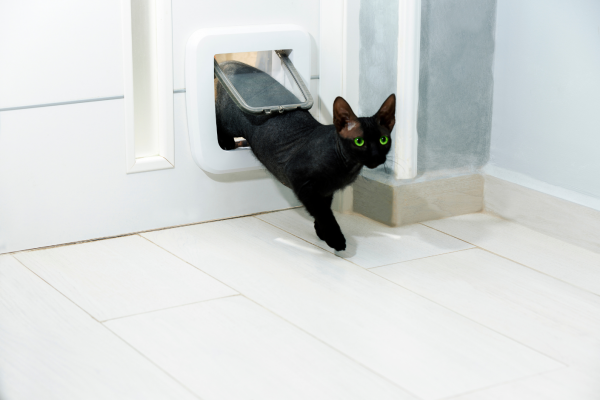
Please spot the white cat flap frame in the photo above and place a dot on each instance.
(199, 77)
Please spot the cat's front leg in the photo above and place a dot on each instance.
(326, 227)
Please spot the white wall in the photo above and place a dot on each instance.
(62, 167)
(546, 112)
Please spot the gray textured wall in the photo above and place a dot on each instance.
(455, 92)
(456, 83)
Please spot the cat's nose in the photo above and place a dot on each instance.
(376, 161)
(374, 164)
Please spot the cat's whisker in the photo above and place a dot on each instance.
(389, 169)
(393, 162)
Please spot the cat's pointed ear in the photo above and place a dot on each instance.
(344, 119)
(386, 116)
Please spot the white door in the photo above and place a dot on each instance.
(63, 124)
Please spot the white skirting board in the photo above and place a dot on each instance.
(562, 219)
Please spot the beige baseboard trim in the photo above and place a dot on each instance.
(562, 219)
(424, 201)
(416, 202)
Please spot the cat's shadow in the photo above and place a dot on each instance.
(350, 251)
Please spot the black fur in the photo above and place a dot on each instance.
(312, 159)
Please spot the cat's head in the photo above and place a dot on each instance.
(365, 140)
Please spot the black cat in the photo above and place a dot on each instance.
(312, 159)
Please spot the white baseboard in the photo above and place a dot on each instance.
(563, 219)
(535, 184)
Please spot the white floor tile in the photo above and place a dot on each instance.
(546, 314)
(562, 260)
(423, 347)
(51, 349)
(369, 243)
(235, 349)
(563, 384)
(123, 276)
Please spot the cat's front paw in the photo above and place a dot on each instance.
(337, 242)
(333, 237)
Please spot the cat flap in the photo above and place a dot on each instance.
(255, 91)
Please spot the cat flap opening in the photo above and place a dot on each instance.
(201, 48)
(271, 85)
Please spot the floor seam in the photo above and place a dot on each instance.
(333, 348)
(472, 320)
(371, 269)
(503, 383)
(151, 362)
(57, 290)
(539, 272)
(444, 233)
(312, 244)
(306, 241)
(189, 263)
(367, 269)
(169, 308)
(105, 327)
(145, 231)
(352, 262)
(524, 265)
(422, 258)
(289, 322)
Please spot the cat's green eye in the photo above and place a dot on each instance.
(383, 140)
(359, 141)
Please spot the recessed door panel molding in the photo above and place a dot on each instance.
(59, 51)
(148, 76)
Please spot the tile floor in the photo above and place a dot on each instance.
(470, 307)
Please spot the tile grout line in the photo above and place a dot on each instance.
(49, 284)
(436, 255)
(422, 258)
(352, 262)
(149, 230)
(503, 383)
(540, 272)
(168, 308)
(472, 320)
(447, 234)
(306, 241)
(334, 349)
(426, 298)
(189, 263)
(289, 322)
(524, 265)
(105, 327)
(152, 362)
(301, 329)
